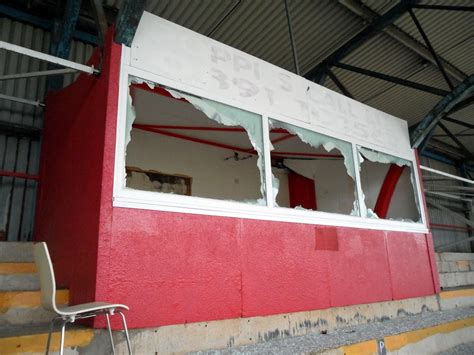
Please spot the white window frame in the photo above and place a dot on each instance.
(131, 198)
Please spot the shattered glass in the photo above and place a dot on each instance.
(383, 158)
(220, 113)
(232, 116)
(316, 140)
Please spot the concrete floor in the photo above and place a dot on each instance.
(463, 349)
(312, 343)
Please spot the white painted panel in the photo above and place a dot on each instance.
(174, 52)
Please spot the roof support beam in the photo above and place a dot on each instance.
(127, 21)
(438, 156)
(63, 29)
(431, 49)
(292, 38)
(371, 30)
(424, 129)
(456, 140)
(460, 123)
(445, 7)
(45, 24)
(221, 21)
(393, 79)
(61, 38)
(442, 147)
(402, 37)
(100, 20)
(463, 104)
(339, 84)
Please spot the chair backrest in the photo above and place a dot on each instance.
(46, 275)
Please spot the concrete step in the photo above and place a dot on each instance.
(19, 282)
(455, 266)
(17, 268)
(24, 307)
(426, 333)
(16, 252)
(456, 279)
(32, 339)
(454, 256)
(457, 297)
(455, 262)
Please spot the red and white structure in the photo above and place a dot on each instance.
(177, 259)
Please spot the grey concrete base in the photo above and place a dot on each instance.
(16, 252)
(455, 266)
(433, 342)
(457, 302)
(456, 279)
(241, 331)
(454, 256)
(19, 282)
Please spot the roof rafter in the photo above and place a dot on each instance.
(431, 49)
(368, 32)
(127, 21)
(456, 140)
(393, 79)
(423, 131)
(402, 37)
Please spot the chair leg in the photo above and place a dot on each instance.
(110, 332)
(51, 327)
(124, 322)
(63, 330)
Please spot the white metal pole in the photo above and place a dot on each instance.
(38, 73)
(446, 174)
(23, 101)
(47, 57)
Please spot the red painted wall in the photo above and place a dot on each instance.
(70, 187)
(176, 268)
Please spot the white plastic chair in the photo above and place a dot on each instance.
(72, 313)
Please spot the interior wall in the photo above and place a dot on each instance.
(335, 190)
(215, 177)
(403, 201)
(283, 196)
(212, 175)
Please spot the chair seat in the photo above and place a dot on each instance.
(88, 307)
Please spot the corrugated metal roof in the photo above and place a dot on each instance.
(446, 31)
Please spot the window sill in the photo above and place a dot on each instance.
(128, 198)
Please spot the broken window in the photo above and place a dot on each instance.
(182, 144)
(312, 171)
(388, 184)
(186, 145)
